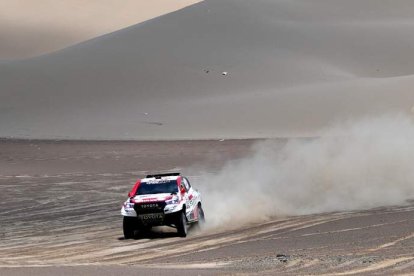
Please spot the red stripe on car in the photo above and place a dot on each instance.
(134, 189)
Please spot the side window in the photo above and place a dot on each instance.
(186, 184)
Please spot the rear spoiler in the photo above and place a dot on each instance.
(162, 175)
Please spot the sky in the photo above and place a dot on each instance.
(30, 28)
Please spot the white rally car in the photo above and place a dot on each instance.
(162, 199)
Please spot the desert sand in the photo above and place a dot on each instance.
(293, 118)
(32, 28)
(60, 205)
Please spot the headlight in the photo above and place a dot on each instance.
(172, 201)
(128, 205)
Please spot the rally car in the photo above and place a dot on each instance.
(161, 199)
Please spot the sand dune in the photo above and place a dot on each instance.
(293, 67)
(30, 28)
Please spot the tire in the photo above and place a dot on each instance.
(129, 227)
(182, 225)
(201, 217)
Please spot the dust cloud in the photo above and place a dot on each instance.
(353, 165)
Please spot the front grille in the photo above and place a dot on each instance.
(149, 207)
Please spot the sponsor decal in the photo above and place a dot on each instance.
(149, 199)
(151, 216)
(154, 182)
(191, 202)
(148, 206)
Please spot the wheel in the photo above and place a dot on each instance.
(201, 217)
(182, 225)
(129, 227)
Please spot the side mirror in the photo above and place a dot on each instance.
(129, 194)
(182, 189)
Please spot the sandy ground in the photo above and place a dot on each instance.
(59, 214)
(32, 28)
(293, 67)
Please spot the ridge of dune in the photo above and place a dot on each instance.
(31, 28)
(219, 69)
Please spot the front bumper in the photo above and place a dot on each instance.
(152, 214)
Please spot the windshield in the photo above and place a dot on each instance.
(158, 187)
